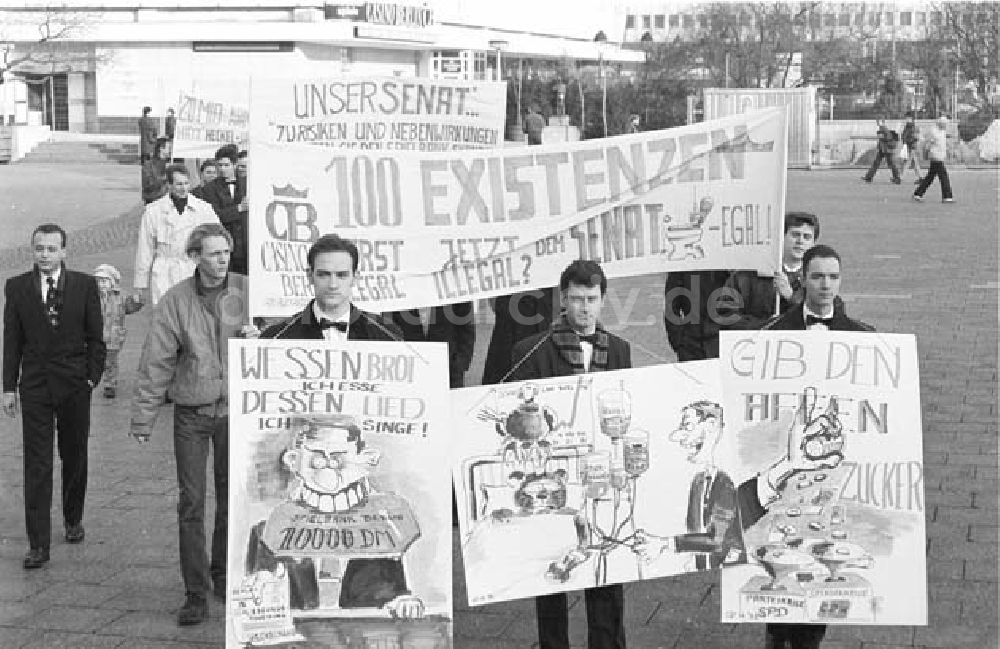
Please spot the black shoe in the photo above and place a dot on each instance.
(867, 180)
(896, 181)
(36, 558)
(74, 533)
(918, 181)
(109, 393)
(219, 587)
(194, 611)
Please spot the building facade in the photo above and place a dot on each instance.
(113, 58)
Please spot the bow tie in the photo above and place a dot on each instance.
(589, 338)
(325, 323)
(812, 319)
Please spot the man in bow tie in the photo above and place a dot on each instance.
(577, 343)
(820, 311)
(332, 271)
(53, 356)
(820, 307)
(227, 195)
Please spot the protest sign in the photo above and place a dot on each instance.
(339, 522)
(828, 456)
(378, 113)
(211, 113)
(580, 481)
(438, 228)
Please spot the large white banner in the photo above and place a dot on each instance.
(438, 228)
(580, 481)
(829, 464)
(339, 517)
(378, 113)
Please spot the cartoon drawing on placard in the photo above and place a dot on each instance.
(336, 545)
(797, 532)
(713, 535)
(566, 487)
(683, 239)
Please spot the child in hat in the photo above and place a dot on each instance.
(114, 308)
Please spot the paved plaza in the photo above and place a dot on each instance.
(928, 269)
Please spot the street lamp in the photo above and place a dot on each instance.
(498, 45)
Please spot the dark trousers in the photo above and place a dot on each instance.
(194, 435)
(890, 161)
(605, 626)
(936, 169)
(793, 636)
(42, 417)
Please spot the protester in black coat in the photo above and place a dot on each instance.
(453, 324)
(227, 196)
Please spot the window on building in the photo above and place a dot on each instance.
(702, 21)
(905, 18)
(983, 18)
(688, 21)
(935, 18)
(874, 19)
(830, 20)
(479, 66)
(647, 22)
(889, 18)
(630, 22)
(815, 20)
(674, 20)
(967, 19)
(845, 20)
(920, 19)
(659, 21)
(859, 19)
(746, 19)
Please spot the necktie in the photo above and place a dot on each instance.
(326, 323)
(51, 302)
(589, 338)
(811, 320)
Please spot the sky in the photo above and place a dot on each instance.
(580, 18)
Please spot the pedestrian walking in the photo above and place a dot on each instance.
(185, 356)
(911, 144)
(114, 308)
(161, 257)
(170, 124)
(53, 357)
(207, 172)
(885, 150)
(147, 135)
(154, 172)
(937, 152)
(227, 195)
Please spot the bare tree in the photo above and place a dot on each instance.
(974, 31)
(39, 42)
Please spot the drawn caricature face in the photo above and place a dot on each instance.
(698, 434)
(328, 461)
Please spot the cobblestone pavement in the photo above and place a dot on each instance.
(928, 269)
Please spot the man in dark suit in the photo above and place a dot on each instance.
(53, 356)
(576, 344)
(333, 267)
(227, 195)
(452, 323)
(820, 311)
